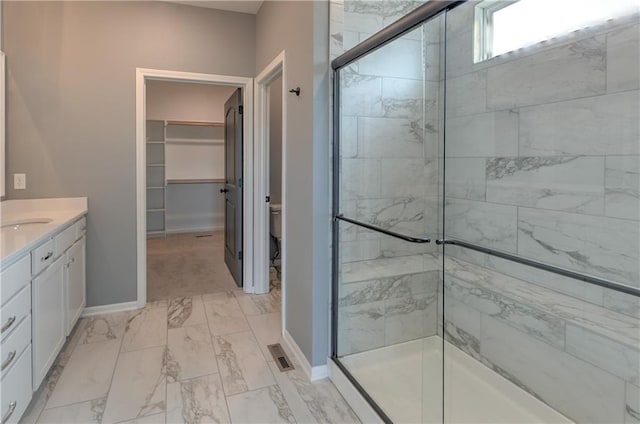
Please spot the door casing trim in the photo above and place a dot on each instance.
(144, 74)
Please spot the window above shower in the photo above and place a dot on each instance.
(504, 26)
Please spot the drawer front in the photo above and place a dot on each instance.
(14, 345)
(14, 278)
(15, 311)
(81, 227)
(15, 389)
(64, 240)
(42, 256)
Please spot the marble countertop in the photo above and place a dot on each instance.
(16, 242)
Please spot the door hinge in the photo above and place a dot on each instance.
(267, 199)
(240, 255)
(240, 182)
(240, 109)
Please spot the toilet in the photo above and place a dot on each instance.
(275, 228)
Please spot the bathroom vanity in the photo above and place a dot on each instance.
(42, 291)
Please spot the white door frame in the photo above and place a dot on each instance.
(272, 71)
(142, 75)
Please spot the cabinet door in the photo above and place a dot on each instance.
(75, 283)
(48, 318)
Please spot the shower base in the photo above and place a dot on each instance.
(405, 380)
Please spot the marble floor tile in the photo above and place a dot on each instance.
(185, 311)
(190, 353)
(145, 328)
(266, 405)
(139, 385)
(224, 315)
(149, 419)
(103, 327)
(199, 400)
(87, 375)
(268, 330)
(81, 413)
(242, 365)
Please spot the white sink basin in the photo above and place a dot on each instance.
(17, 223)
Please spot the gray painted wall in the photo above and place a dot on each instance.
(275, 141)
(71, 106)
(301, 28)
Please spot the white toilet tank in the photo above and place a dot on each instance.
(275, 220)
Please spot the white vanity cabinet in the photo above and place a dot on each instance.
(42, 294)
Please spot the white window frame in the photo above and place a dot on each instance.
(483, 28)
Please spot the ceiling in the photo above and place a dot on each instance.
(242, 6)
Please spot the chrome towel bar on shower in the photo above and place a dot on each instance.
(383, 231)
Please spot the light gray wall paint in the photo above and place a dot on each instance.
(71, 106)
(275, 141)
(301, 28)
(186, 101)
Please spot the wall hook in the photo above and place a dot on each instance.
(295, 90)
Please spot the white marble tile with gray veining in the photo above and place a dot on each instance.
(632, 406)
(488, 224)
(268, 330)
(87, 375)
(600, 246)
(189, 353)
(400, 59)
(361, 95)
(185, 311)
(103, 327)
(360, 178)
(360, 327)
(404, 286)
(242, 365)
(266, 405)
(466, 94)
(387, 267)
(80, 413)
(623, 303)
(410, 317)
(466, 178)
(224, 314)
(619, 327)
(348, 136)
(404, 178)
(145, 328)
(462, 326)
(566, 183)
(623, 58)
(403, 98)
(525, 317)
(197, 401)
(359, 250)
(622, 187)
(390, 138)
(403, 215)
(566, 72)
(579, 390)
(483, 135)
(138, 388)
(599, 125)
(613, 357)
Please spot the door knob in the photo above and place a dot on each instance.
(223, 190)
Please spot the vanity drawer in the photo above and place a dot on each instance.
(15, 389)
(42, 257)
(14, 311)
(14, 278)
(14, 345)
(64, 240)
(81, 227)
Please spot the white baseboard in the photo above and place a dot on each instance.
(109, 309)
(205, 229)
(316, 373)
(359, 404)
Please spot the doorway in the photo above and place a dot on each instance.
(151, 76)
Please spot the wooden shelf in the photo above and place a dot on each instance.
(197, 181)
(196, 123)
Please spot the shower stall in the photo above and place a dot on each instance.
(486, 194)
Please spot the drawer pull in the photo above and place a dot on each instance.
(12, 407)
(49, 255)
(8, 361)
(8, 325)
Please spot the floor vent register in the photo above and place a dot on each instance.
(281, 358)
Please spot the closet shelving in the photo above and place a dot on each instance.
(161, 135)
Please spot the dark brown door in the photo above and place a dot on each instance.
(233, 185)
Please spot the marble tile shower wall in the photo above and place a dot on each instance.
(542, 160)
(390, 176)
